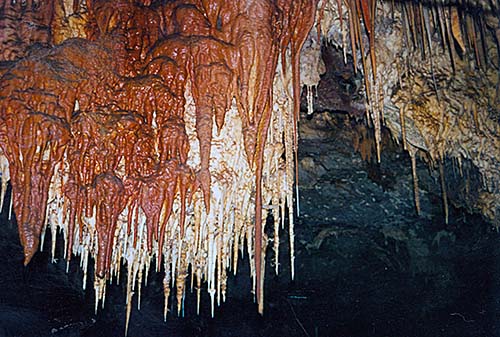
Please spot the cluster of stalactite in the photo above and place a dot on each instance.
(145, 138)
(456, 58)
(431, 76)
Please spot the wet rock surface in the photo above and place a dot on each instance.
(366, 264)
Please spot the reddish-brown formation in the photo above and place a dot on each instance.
(137, 25)
(113, 111)
(39, 95)
(34, 143)
(23, 23)
(105, 198)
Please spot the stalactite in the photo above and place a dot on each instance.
(5, 177)
(125, 143)
(402, 122)
(412, 150)
(444, 194)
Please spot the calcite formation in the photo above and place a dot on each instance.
(161, 134)
(444, 104)
(431, 77)
(23, 23)
(150, 133)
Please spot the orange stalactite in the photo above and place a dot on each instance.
(101, 124)
(366, 10)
